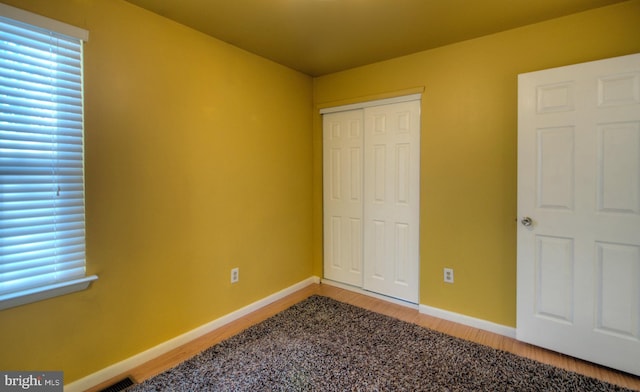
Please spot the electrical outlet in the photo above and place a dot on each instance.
(448, 275)
(235, 275)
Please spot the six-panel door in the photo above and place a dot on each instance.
(579, 183)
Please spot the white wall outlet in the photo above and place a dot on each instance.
(448, 275)
(235, 275)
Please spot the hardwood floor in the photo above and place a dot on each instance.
(178, 355)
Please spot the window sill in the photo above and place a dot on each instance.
(38, 294)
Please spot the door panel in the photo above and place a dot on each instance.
(619, 168)
(617, 293)
(342, 138)
(554, 278)
(579, 182)
(555, 161)
(391, 199)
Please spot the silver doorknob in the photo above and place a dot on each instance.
(526, 221)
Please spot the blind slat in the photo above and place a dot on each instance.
(33, 89)
(42, 254)
(40, 279)
(19, 105)
(18, 244)
(36, 262)
(34, 52)
(14, 277)
(20, 234)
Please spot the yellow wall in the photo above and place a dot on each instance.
(468, 146)
(198, 159)
(201, 157)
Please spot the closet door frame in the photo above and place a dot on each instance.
(339, 262)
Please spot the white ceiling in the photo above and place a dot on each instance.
(318, 37)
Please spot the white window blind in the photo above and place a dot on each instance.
(42, 224)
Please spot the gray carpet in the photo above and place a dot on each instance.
(324, 345)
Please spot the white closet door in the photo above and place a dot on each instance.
(343, 158)
(392, 199)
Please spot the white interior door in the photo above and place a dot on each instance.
(343, 208)
(392, 200)
(579, 211)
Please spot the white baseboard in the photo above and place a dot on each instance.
(128, 364)
(468, 320)
(435, 312)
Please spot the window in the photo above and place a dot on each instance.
(42, 225)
